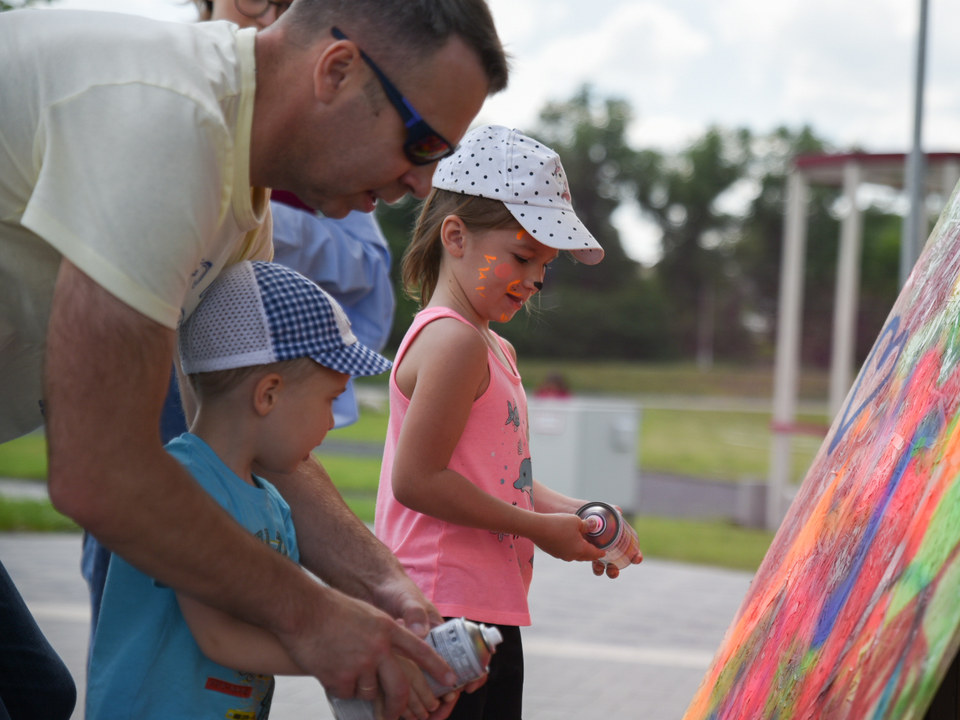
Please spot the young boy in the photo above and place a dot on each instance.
(266, 353)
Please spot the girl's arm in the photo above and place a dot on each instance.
(550, 501)
(449, 362)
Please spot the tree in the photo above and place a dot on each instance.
(681, 195)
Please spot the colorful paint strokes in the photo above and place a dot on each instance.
(855, 612)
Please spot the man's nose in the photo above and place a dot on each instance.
(419, 179)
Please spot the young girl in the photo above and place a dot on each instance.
(458, 503)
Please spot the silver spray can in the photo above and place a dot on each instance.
(466, 646)
(611, 533)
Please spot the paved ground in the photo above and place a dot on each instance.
(635, 647)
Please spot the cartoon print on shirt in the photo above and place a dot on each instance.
(276, 542)
(524, 483)
(513, 415)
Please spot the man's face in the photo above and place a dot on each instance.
(367, 162)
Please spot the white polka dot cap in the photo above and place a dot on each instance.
(502, 164)
(257, 313)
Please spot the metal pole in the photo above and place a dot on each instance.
(847, 293)
(915, 172)
(787, 361)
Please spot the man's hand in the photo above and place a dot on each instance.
(398, 596)
(351, 648)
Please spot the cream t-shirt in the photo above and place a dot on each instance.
(124, 147)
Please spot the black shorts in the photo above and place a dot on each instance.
(501, 697)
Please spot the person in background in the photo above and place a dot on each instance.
(459, 503)
(553, 386)
(349, 257)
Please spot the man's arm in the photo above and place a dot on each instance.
(107, 369)
(339, 549)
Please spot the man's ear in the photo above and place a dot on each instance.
(453, 235)
(335, 65)
(266, 393)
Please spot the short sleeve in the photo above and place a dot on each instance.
(132, 181)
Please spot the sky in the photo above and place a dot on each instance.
(845, 67)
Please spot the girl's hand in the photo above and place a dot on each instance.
(613, 571)
(561, 535)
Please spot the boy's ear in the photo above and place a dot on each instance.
(453, 233)
(266, 393)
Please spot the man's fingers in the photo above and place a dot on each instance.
(598, 568)
(408, 645)
(613, 571)
(367, 687)
(416, 620)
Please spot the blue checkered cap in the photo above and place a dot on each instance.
(256, 313)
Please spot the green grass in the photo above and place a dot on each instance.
(32, 515)
(627, 378)
(25, 457)
(352, 475)
(717, 543)
(708, 444)
(717, 445)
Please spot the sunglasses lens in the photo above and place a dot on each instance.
(428, 149)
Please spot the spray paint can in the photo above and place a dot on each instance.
(611, 533)
(466, 646)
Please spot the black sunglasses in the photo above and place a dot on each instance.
(423, 145)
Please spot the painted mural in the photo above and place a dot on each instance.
(855, 611)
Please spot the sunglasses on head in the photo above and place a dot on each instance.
(423, 145)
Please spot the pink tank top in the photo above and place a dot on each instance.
(466, 572)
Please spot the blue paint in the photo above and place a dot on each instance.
(898, 341)
(928, 428)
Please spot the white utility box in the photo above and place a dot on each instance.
(586, 447)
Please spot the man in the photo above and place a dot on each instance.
(132, 157)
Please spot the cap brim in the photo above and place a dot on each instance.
(575, 238)
(356, 360)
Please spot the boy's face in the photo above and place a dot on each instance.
(302, 417)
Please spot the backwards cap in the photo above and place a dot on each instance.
(256, 313)
(527, 177)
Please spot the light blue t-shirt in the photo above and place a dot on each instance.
(145, 663)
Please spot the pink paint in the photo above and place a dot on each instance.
(503, 271)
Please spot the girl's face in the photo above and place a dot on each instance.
(501, 269)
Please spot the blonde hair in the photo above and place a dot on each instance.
(421, 260)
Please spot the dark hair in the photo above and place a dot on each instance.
(210, 385)
(421, 260)
(399, 34)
